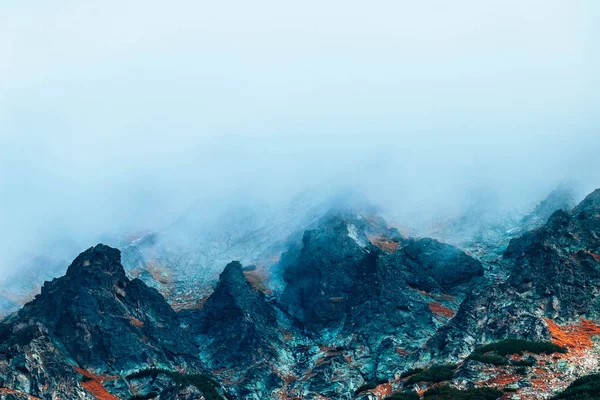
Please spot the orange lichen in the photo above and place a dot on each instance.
(258, 279)
(576, 337)
(135, 321)
(595, 256)
(401, 351)
(95, 384)
(382, 391)
(385, 244)
(16, 392)
(438, 309)
(504, 379)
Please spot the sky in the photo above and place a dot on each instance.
(117, 115)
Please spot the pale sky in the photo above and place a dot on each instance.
(108, 105)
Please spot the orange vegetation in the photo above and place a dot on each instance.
(135, 321)
(17, 393)
(381, 391)
(504, 379)
(595, 256)
(401, 351)
(95, 385)
(384, 243)
(438, 309)
(257, 279)
(575, 337)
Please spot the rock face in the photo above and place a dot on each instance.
(340, 267)
(100, 316)
(241, 325)
(92, 319)
(238, 332)
(554, 274)
(351, 304)
(364, 294)
(485, 228)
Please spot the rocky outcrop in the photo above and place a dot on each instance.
(239, 323)
(339, 267)
(554, 274)
(91, 326)
(359, 287)
(101, 316)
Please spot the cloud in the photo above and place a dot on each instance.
(103, 100)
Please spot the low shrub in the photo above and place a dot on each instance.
(488, 359)
(435, 373)
(587, 387)
(403, 396)
(499, 351)
(201, 382)
(521, 371)
(450, 393)
(519, 346)
(365, 387)
(528, 362)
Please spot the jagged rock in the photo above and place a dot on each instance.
(93, 318)
(106, 321)
(554, 273)
(239, 323)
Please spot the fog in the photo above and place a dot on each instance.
(116, 116)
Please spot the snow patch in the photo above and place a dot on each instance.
(353, 234)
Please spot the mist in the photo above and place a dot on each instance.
(115, 117)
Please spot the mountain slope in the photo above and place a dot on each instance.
(92, 322)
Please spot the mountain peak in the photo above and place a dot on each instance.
(590, 205)
(99, 258)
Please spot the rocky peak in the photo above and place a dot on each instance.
(554, 275)
(100, 259)
(236, 326)
(232, 278)
(106, 321)
(590, 206)
(561, 198)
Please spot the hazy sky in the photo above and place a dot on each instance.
(111, 110)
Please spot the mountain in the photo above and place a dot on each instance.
(485, 227)
(92, 325)
(551, 292)
(352, 309)
(350, 302)
(192, 251)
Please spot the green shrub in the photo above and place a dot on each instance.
(529, 362)
(509, 390)
(587, 387)
(435, 373)
(519, 346)
(450, 393)
(410, 372)
(365, 387)
(507, 347)
(201, 382)
(488, 359)
(521, 371)
(403, 396)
